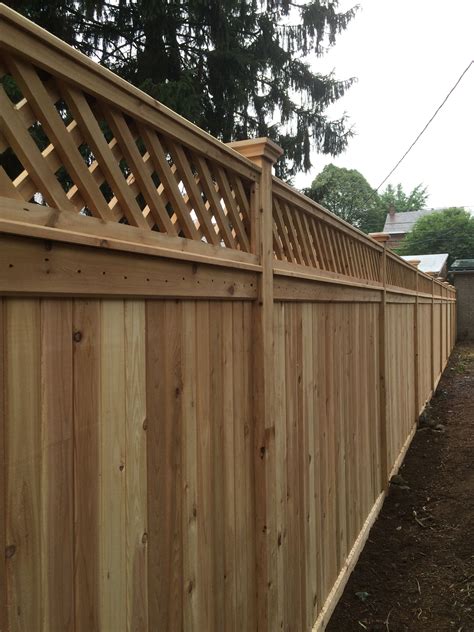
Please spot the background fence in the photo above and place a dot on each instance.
(206, 379)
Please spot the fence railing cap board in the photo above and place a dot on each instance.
(24, 38)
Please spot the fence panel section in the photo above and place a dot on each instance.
(206, 379)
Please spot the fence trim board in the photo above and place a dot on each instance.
(33, 220)
(38, 267)
(284, 268)
(315, 290)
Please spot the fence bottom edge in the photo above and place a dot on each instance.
(352, 558)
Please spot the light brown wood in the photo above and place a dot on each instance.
(47, 223)
(3, 496)
(57, 465)
(101, 149)
(86, 402)
(208, 427)
(29, 265)
(136, 491)
(22, 464)
(112, 494)
(49, 117)
(30, 156)
(36, 44)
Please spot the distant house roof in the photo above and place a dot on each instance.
(404, 222)
(429, 263)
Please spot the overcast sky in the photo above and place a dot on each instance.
(407, 54)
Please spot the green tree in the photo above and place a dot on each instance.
(451, 231)
(401, 202)
(237, 68)
(347, 193)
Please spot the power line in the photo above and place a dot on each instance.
(427, 125)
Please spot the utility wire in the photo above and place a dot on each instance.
(426, 126)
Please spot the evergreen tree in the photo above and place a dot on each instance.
(237, 68)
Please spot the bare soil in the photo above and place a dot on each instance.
(416, 572)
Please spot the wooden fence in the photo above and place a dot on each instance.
(206, 379)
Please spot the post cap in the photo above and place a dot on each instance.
(256, 149)
(380, 237)
(414, 262)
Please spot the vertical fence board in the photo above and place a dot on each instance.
(57, 555)
(136, 467)
(230, 553)
(309, 462)
(217, 443)
(281, 459)
(190, 508)
(23, 464)
(86, 384)
(3, 495)
(205, 497)
(164, 466)
(112, 533)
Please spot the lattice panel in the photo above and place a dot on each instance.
(303, 238)
(425, 284)
(400, 275)
(63, 148)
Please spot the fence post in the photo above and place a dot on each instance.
(433, 379)
(415, 263)
(382, 238)
(264, 153)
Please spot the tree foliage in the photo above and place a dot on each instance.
(396, 197)
(237, 68)
(451, 231)
(347, 193)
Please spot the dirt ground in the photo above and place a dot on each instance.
(417, 569)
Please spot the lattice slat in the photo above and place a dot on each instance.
(232, 207)
(49, 117)
(30, 156)
(215, 203)
(101, 149)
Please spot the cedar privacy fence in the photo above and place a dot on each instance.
(206, 379)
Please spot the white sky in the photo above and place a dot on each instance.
(407, 55)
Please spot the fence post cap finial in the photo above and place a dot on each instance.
(258, 149)
(414, 262)
(380, 237)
